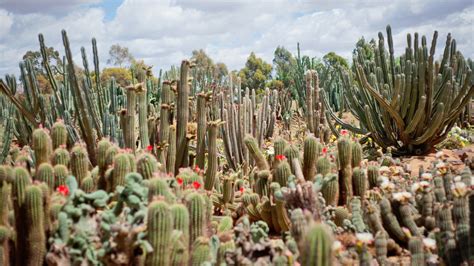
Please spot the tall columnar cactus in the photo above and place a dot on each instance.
(121, 168)
(36, 239)
(79, 163)
(143, 114)
(61, 156)
(181, 220)
(256, 153)
(344, 155)
(373, 175)
(201, 130)
(171, 156)
(147, 165)
(211, 171)
(45, 173)
(409, 104)
(102, 146)
(323, 166)
(197, 211)
(356, 154)
(316, 246)
(5, 235)
(160, 227)
(359, 180)
(311, 153)
(59, 134)
(201, 251)
(390, 221)
(282, 173)
(42, 146)
(330, 189)
(129, 117)
(20, 183)
(182, 118)
(60, 174)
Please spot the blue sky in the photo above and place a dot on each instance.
(163, 32)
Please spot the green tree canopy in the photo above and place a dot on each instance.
(122, 76)
(205, 68)
(36, 59)
(334, 60)
(365, 48)
(283, 61)
(255, 73)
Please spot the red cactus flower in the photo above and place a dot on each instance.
(325, 150)
(196, 185)
(280, 157)
(149, 148)
(197, 169)
(63, 190)
(241, 189)
(179, 180)
(344, 132)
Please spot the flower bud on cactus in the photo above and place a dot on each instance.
(282, 172)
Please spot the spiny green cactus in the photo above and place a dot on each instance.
(211, 171)
(406, 215)
(60, 174)
(35, 249)
(147, 165)
(357, 215)
(142, 104)
(102, 147)
(227, 190)
(129, 117)
(79, 163)
(88, 185)
(171, 158)
(282, 173)
(121, 169)
(160, 227)
(291, 152)
(61, 156)
(340, 214)
(330, 189)
(201, 129)
(42, 146)
(20, 183)
(45, 173)
(359, 180)
(256, 153)
(197, 211)
(201, 251)
(390, 221)
(312, 149)
(181, 220)
(5, 234)
(316, 246)
(182, 117)
(323, 166)
(59, 134)
(356, 154)
(344, 155)
(159, 187)
(373, 175)
(280, 145)
(381, 247)
(417, 254)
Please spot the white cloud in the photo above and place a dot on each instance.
(163, 32)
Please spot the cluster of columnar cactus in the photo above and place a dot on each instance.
(166, 175)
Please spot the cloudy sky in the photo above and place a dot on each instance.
(163, 32)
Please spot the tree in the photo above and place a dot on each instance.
(119, 55)
(283, 61)
(36, 59)
(255, 73)
(206, 68)
(220, 71)
(334, 60)
(122, 76)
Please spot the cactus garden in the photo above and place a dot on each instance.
(368, 164)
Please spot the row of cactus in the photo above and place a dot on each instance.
(410, 103)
